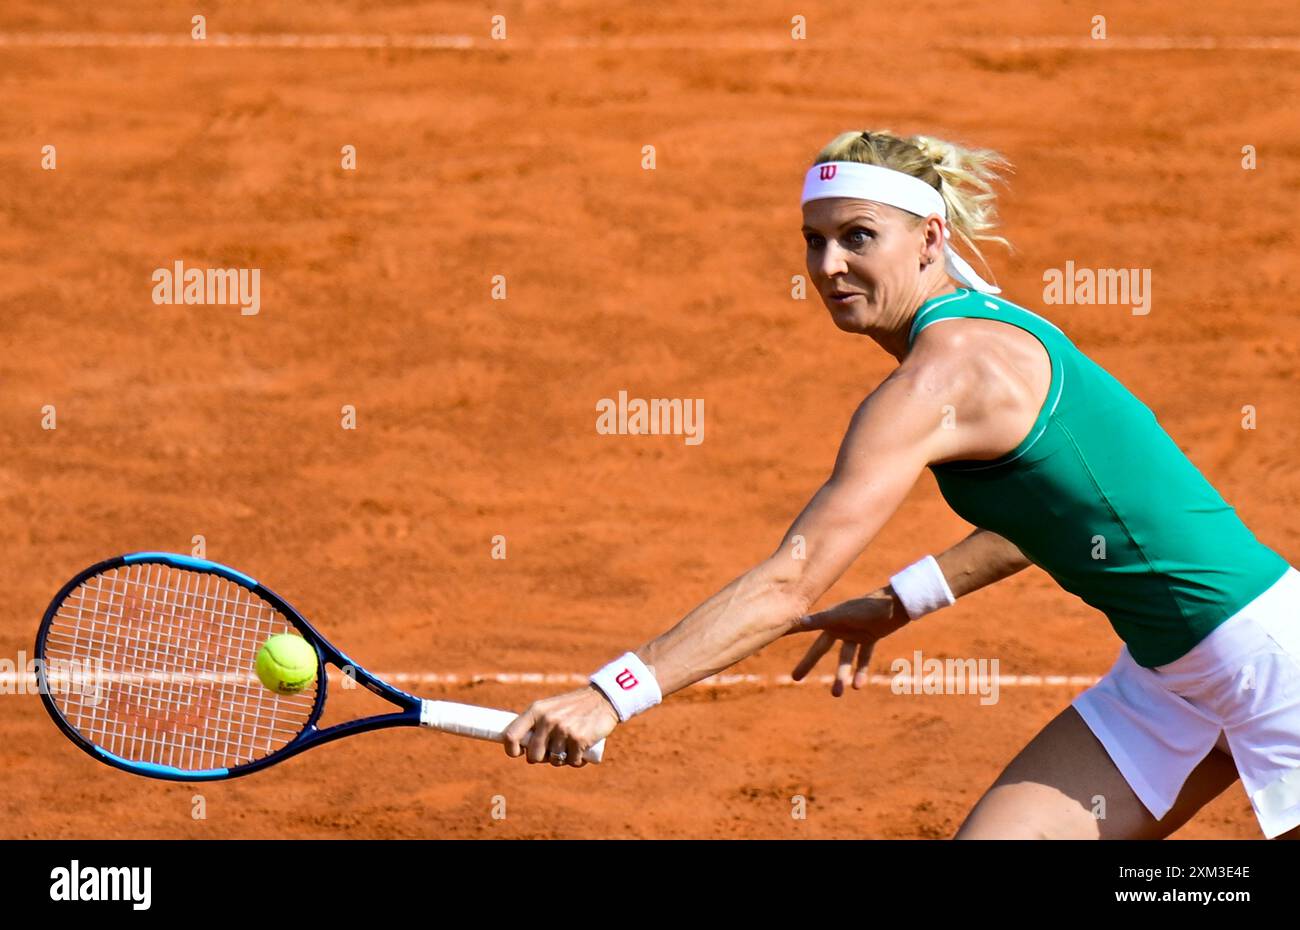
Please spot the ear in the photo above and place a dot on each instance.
(932, 233)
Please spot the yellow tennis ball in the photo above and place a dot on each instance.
(286, 663)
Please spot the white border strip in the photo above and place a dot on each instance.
(461, 42)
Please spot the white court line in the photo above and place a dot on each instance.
(11, 679)
(770, 43)
(238, 40)
(1131, 43)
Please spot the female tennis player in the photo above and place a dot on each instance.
(1057, 465)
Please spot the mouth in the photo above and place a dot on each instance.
(840, 299)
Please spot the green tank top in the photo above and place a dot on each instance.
(1099, 497)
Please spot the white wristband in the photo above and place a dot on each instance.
(629, 685)
(922, 588)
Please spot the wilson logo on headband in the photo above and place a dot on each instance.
(897, 189)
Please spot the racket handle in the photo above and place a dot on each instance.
(482, 723)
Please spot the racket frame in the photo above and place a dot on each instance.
(311, 734)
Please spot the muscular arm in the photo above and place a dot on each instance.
(757, 607)
(893, 436)
(980, 559)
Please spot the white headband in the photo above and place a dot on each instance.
(887, 186)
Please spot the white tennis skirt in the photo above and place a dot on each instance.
(1240, 684)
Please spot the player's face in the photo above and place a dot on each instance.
(868, 252)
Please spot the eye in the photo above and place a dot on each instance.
(862, 232)
(814, 241)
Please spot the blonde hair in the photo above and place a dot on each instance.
(963, 177)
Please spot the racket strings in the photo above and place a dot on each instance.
(155, 664)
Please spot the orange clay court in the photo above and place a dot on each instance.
(476, 417)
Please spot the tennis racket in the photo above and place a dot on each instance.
(147, 663)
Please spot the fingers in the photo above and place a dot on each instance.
(556, 749)
(844, 670)
(813, 656)
(847, 671)
(802, 625)
(573, 752)
(846, 612)
(517, 732)
(539, 743)
(873, 613)
(561, 749)
(539, 739)
(862, 674)
(820, 620)
(559, 729)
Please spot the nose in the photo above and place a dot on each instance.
(832, 261)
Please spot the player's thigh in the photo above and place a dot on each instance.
(1052, 788)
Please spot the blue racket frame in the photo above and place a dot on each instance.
(311, 734)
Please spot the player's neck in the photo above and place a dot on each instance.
(893, 339)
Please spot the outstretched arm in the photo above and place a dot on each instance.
(894, 434)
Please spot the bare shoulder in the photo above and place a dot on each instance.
(993, 378)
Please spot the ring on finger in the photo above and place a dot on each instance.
(557, 755)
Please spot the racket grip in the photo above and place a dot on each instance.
(483, 723)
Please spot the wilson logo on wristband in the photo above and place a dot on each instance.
(629, 684)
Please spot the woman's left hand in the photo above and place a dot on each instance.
(857, 625)
(563, 727)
